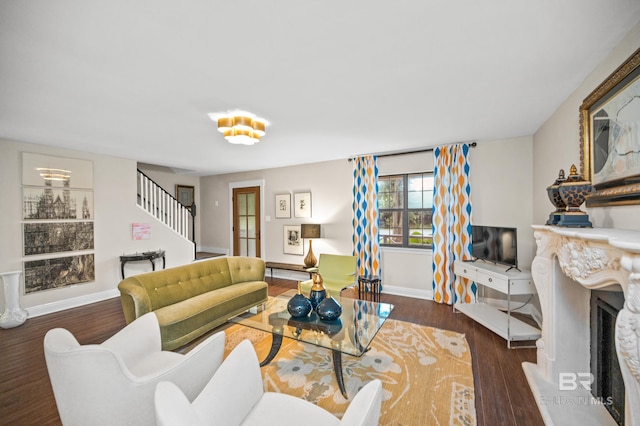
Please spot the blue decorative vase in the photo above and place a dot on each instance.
(574, 191)
(299, 306)
(318, 292)
(329, 309)
(555, 198)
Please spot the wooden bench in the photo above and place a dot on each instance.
(287, 267)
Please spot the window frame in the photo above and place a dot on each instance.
(405, 210)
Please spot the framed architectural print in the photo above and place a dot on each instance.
(302, 204)
(293, 240)
(609, 135)
(52, 273)
(57, 222)
(41, 170)
(283, 206)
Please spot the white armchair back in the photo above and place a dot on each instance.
(113, 383)
(235, 396)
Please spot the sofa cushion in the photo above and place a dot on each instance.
(183, 321)
(244, 269)
(173, 285)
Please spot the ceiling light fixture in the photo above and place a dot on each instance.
(240, 127)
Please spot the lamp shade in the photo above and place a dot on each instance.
(310, 231)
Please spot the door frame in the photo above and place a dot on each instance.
(261, 217)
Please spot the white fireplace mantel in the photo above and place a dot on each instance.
(569, 263)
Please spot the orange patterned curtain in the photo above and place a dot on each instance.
(451, 223)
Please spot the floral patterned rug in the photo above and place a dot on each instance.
(425, 372)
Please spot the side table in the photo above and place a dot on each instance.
(147, 255)
(369, 287)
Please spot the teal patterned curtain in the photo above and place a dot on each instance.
(366, 245)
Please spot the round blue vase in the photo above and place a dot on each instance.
(329, 309)
(299, 306)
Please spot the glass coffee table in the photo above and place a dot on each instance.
(350, 334)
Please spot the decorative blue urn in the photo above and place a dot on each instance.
(299, 306)
(318, 292)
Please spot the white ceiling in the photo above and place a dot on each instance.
(136, 78)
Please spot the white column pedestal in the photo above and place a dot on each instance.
(13, 315)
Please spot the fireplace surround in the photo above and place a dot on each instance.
(569, 263)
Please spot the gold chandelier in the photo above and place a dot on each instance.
(240, 127)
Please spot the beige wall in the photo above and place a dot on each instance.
(115, 210)
(501, 192)
(557, 145)
(330, 187)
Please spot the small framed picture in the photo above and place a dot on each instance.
(302, 204)
(185, 194)
(293, 240)
(283, 206)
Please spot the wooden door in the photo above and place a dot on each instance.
(246, 221)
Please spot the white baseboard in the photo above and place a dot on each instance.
(208, 249)
(407, 292)
(386, 289)
(61, 305)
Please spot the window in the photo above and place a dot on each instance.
(405, 203)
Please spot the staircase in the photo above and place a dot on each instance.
(153, 199)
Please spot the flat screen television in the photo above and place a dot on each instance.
(495, 244)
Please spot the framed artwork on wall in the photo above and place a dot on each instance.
(56, 172)
(609, 135)
(57, 272)
(57, 222)
(185, 195)
(293, 240)
(283, 206)
(302, 204)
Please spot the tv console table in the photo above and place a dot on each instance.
(511, 282)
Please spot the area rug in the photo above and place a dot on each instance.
(425, 372)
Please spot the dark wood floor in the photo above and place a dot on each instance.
(502, 393)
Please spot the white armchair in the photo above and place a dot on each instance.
(113, 383)
(235, 396)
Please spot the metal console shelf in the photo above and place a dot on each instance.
(510, 282)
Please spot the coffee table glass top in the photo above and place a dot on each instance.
(351, 333)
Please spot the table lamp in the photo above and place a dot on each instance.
(310, 231)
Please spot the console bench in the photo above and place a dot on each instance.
(287, 267)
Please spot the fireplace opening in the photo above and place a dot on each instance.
(608, 385)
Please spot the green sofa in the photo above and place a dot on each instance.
(192, 299)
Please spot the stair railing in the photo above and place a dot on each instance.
(163, 206)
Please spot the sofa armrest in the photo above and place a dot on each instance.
(137, 339)
(135, 300)
(199, 365)
(365, 407)
(190, 372)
